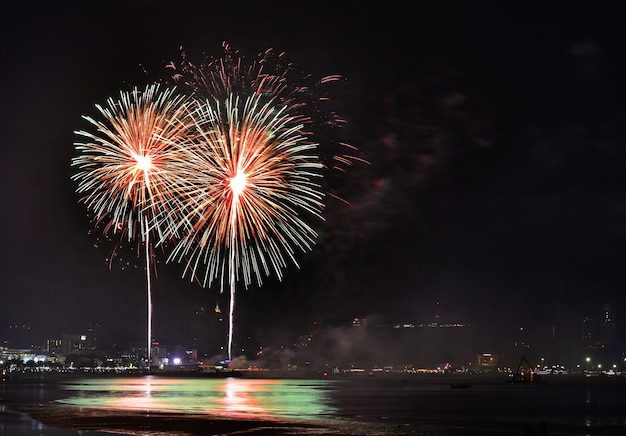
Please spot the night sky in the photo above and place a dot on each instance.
(495, 136)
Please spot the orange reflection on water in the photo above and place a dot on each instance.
(242, 397)
(143, 394)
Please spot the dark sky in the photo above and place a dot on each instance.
(495, 135)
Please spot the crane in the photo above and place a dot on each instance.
(525, 372)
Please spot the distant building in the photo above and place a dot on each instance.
(608, 335)
(93, 334)
(73, 343)
(184, 356)
(54, 346)
(358, 322)
(486, 362)
(206, 330)
(600, 346)
(137, 352)
(158, 353)
(600, 331)
(588, 337)
(428, 344)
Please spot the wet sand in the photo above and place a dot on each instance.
(125, 422)
(101, 422)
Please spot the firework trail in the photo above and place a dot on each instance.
(255, 173)
(123, 174)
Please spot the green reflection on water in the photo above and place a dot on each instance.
(230, 397)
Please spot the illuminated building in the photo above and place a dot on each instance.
(486, 362)
(608, 334)
(588, 333)
(93, 333)
(158, 352)
(54, 346)
(72, 343)
(358, 322)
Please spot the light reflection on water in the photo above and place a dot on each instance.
(569, 405)
(238, 398)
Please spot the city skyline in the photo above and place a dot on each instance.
(383, 342)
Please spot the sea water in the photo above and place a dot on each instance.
(426, 405)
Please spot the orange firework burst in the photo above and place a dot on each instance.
(249, 184)
(123, 170)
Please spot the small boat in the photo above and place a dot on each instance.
(460, 385)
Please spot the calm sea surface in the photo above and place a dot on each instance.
(564, 405)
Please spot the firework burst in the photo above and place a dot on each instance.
(123, 173)
(251, 182)
(249, 165)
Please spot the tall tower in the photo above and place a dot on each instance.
(93, 334)
(437, 317)
(588, 337)
(199, 324)
(608, 334)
